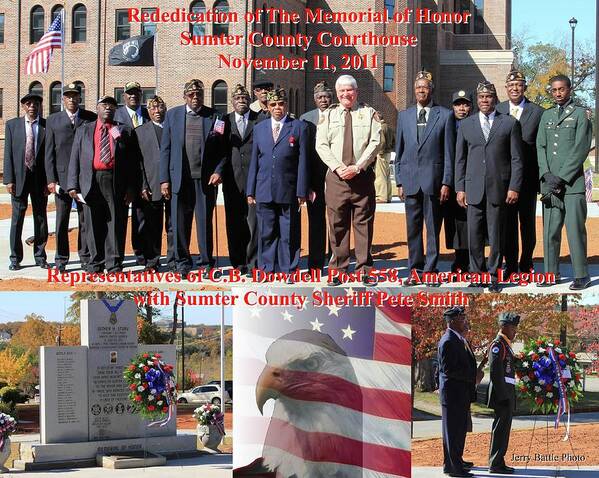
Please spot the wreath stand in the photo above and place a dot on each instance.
(548, 426)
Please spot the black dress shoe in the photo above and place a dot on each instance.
(580, 283)
(370, 281)
(334, 282)
(494, 287)
(14, 266)
(502, 470)
(140, 261)
(468, 464)
(61, 267)
(43, 264)
(461, 474)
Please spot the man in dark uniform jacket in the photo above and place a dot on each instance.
(457, 389)
(192, 158)
(454, 216)
(260, 106)
(242, 233)
(156, 210)
(278, 184)
(317, 224)
(24, 176)
(424, 159)
(103, 171)
(133, 114)
(60, 133)
(524, 211)
(488, 176)
(502, 391)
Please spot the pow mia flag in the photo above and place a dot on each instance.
(136, 51)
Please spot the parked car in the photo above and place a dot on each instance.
(228, 386)
(203, 394)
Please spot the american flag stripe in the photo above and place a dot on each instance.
(392, 348)
(38, 61)
(327, 447)
(368, 428)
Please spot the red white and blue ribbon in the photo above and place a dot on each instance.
(563, 404)
(169, 393)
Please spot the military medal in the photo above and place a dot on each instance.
(113, 310)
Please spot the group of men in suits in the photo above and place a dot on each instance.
(459, 376)
(481, 173)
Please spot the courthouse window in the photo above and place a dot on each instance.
(79, 24)
(477, 22)
(219, 28)
(146, 94)
(123, 28)
(388, 76)
(36, 30)
(56, 9)
(36, 88)
(219, 96)
(82, 87)
(55, 96)
(198, 29)
(1, 27)
(148, 28)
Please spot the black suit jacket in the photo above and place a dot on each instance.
(14, 153)
(60, 134)
(457, 371)
(126, 161)
(318, 170)
(122, 116)
(529, 122)
(492, 167)
(239, 149)
(149, 147)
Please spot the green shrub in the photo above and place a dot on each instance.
(8, 408)
(11, 395)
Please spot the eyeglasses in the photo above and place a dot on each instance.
(191, 94)
(277, 103)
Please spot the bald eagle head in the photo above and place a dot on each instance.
(306, 373)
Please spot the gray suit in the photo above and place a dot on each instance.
(156, 212)
(485, 171)
(317, 224)
(524, 211)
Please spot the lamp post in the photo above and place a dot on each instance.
(573, 22)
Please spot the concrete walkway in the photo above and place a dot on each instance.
(536, 472)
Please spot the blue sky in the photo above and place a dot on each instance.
(52, 306)
(547, 20)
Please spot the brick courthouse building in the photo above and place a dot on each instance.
(458, 55)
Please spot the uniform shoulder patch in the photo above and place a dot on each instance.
(495, 349)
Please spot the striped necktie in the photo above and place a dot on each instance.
(486, 127)
(275, 132)
(105, 155)
(135, 120)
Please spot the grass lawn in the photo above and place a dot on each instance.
(429, 402)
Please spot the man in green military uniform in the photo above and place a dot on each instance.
(563, 143)
(502, 391)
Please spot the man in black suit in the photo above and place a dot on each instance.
(260, 106)
(317, 224)
(133, 114)
(103, 173)
(488, 177)
(192, 158)
(156, 209)
(424, 152)
(524, 211)
(457, 390)
(242, 234)
(25, 176)
(60, 133)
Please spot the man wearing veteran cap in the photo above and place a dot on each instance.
(424, 152)
(155, 209)
(522, 215)
(278, 182)
(242, 234)
(488, 177)
(348, 138)
(317, 239)
(563, 143)
(133, 114)
(457, 389)
(25, 176)
(260, 106)
(454, 216)
(192, 157)
(60, 133)
(103, 174)
(502, 390)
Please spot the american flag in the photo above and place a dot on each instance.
(333, 384)
(588, 184)
(38, 61)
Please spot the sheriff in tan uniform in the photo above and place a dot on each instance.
(347, 140)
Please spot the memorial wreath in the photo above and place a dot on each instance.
(152, 387)
(8, 425)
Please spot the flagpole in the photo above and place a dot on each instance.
(222, 358)
(156, 58)
(62, 44)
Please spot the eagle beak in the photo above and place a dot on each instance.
(268, 386)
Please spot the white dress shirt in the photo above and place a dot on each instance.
(491, 117)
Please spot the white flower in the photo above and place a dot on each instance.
(525, 378)
(151, 397)
(541, 382)
(549, 395)
(532, 352)
(160, 402)
(525, 364)
(150, 362)
(558, 350)
(141, 365)
(541, 350)
(137, 375)
(153, 391)
(140, 389)
(537, 389)
(549, 344)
